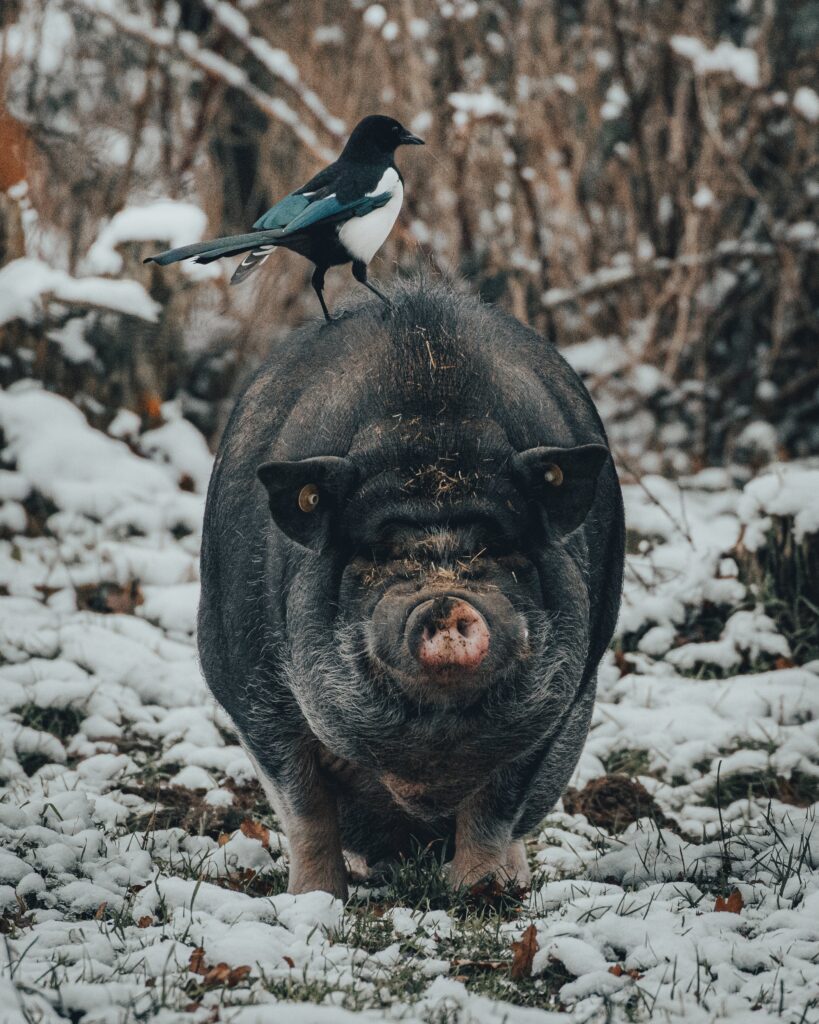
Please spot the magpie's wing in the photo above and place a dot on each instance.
(280, 215)
(331, 210)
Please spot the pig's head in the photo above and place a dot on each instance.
(442, 615)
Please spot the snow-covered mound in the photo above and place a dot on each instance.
(141, 873)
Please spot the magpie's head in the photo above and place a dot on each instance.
(378, 136)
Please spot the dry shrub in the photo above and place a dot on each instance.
(598, 188)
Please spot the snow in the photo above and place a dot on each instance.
(806, 103)
(786, 490)
(109, 908)
(739, 61)
(71, 339)
(375, 15)
(26, 283)
(165, 220)
(484, 103)
(617, 101)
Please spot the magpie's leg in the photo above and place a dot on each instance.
(360, 274)
(317, 282)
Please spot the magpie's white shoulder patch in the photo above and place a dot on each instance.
(362, 237)
(387, 182)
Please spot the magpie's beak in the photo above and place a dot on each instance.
(408, 139)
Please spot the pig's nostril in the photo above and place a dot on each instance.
(463, 627)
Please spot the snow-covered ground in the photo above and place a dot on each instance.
(141, 874)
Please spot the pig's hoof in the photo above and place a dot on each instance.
(358, 870)
(332, 879)
(509, 869)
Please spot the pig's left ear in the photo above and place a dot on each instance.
(562, 481)
(304, 495)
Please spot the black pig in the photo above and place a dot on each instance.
(411, 567)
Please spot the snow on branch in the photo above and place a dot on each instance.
(186, 45)
(607, 278)
(724, 58)
(26, 283)
(275, 60)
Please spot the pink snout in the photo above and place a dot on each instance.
(451, 635)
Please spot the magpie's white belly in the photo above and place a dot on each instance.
(363, 236)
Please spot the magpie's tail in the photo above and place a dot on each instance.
(258, 245)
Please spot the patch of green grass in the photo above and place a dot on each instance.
(60, 722)
(628, 762)
(800, 789)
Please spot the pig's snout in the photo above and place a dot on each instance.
(446, 646)
(447, 634)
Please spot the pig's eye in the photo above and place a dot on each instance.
(553, 474)
(309, 498)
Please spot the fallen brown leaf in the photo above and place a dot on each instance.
(256, 830)
(224, 974)
(109, 598)
(145, 922)
(217, 975)
(523, 953)
(623, 664)
(732, 905)
(224, 837)
(289, 961)
(196, 964)
(619, 971)
(101, 911)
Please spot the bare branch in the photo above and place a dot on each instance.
(185, 45)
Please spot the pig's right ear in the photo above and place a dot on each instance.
(303, 496)
(562, 481)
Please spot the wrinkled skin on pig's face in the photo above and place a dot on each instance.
(444, 629)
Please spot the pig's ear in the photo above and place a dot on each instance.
(303, 496)
(562, 481)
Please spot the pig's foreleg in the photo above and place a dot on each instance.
(316, 860)
(308, 814)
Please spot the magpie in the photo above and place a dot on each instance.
(342, 215)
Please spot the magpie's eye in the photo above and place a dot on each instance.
(553, 474)
(309, 498)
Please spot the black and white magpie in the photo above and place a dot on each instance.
(342, 215)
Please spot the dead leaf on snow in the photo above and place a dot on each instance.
(256, 830)
(732, 905)
(523, 953)
(196, 964)
(619, 971)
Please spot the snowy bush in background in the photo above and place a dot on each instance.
(638, 175)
